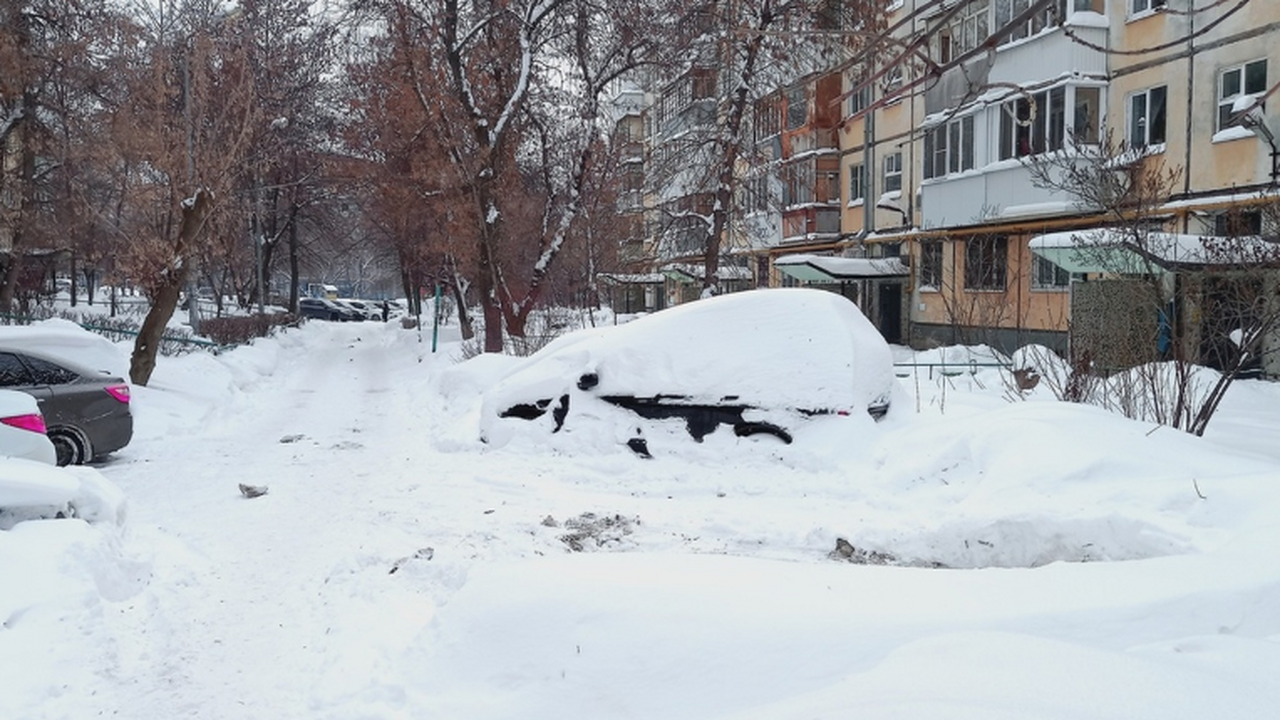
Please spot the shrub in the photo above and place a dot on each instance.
(238, 330)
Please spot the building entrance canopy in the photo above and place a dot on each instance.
(1105, 250)
(824, 268)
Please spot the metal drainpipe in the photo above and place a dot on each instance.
(868, 187)
(1191, 74)
(868, 205)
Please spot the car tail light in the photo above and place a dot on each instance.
(119, 392)
(33, 422)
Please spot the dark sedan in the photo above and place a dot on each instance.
(86, 411)
(325, 309)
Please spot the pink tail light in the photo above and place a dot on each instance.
(119, 392)
(34, 422)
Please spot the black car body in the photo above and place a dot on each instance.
(86, 411)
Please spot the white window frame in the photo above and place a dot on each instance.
(1130, 120)
(892, 177)
(859, 99)
(857, 183)
(1225, 101)
(1042, 130)
(1144, 7)
(1058, 278)
(939, 141)
(929, 273)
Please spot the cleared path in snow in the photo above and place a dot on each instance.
(242, 590)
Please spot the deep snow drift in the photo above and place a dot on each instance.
(967, 557)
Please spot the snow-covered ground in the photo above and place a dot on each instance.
(1040, 560)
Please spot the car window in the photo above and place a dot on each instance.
(47, 373)
(13, 372)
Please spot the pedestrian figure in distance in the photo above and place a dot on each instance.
(386, 310)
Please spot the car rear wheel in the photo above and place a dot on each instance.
(71, 445)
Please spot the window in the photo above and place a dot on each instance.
(47, 373)
(948, 148)
(861, 97)
(768, 119)
(890, 83)
(1048, 276)
(757, 193)
(966, 30)
(703, 83)
(1084, 125)
(1137, 7)
(930, 273)
(12, 371)
(1007, 10)
(1234, 83)
(1147, 111)
(800, 179)
(893, 172)
(797, 107)
(1237, 223)
(1033, 124)
(985, 260)
(830, 15)
(857, 182)
(827, 188)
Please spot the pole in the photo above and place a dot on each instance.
(435, 319)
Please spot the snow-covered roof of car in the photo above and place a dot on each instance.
(793, 347)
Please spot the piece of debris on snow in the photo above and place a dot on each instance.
(253, 491)
(549, 521)
(1026, 378)
(292, 438)
(846, 551)
(589, 531)
(425, 553)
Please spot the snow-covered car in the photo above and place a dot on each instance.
(760, 362)
(22, 429)
(86, 410)
(32, 490)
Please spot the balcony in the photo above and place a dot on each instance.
(814, 140)
(1000, 191)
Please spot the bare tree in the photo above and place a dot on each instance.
(1161, 306)
(46, 52)
(182, 126)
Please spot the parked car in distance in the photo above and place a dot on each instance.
(365, 309)
(760, 363)
(22, 429)
(326, 309)
(86, 411)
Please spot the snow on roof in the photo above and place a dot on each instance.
(841, 268)
(1168, 249)
(631, 278)
(724, 272)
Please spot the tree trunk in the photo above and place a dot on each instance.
(165, 299)
(75, 285)
(464, 317)
(147, 346)
(293, 267)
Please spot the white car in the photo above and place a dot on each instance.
(368, 308)
(22, 429)
(758, 363)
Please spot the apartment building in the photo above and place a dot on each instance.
(1000, 257)
(944, 174)
(911, 185)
